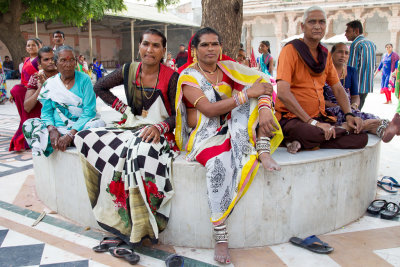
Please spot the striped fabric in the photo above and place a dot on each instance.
(362, 57)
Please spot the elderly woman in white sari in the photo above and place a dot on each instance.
(69, 106)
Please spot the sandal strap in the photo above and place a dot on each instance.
(313, 239)
(393, 181)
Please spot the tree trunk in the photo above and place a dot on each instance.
(10, 31)
(226, 17)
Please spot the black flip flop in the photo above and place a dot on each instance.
(376, 206)
(174, 260)
(107, 243)
(391, 210)
(125, 252)
(312, 243)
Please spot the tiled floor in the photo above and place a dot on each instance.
(55, 241)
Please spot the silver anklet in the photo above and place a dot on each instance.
(263, 145)
(382, 127)
(220, 234)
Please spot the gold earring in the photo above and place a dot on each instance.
(220, 53)
(194, 56)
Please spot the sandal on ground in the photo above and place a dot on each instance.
(376, 206)
(174, 260)
(391, 181)
(312, 243)
(391, 210)
(125, 252)
(108, 242)
(389, 184)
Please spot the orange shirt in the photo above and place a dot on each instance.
(307, 89)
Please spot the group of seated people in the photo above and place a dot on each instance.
(220, 112)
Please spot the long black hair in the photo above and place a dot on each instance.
(266, 43)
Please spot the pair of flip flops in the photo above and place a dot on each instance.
(387, 210)
(312, 243)
(118, 248)
(389, 184)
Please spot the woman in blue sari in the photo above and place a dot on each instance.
(266, 60)
(69, 106)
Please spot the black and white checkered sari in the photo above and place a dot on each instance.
(128, 181)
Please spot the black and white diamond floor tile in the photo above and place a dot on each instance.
(20, 250)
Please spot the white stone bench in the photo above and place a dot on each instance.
(315, 192)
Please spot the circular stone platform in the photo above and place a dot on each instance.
(315, 192)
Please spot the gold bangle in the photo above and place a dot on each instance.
(197, 100)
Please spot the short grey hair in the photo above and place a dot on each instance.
(60, 49)
(311, 9)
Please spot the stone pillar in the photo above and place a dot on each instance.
(292, 25)
(90, 42)
(249, 38)
(133, 40)
(393, 27)
(278, 31)
(329, 29)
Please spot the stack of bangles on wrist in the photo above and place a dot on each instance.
(119, 106)
(241, 98)
(263, 145)
(264, 101)
(162, 127)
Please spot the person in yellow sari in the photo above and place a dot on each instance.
(225, 121)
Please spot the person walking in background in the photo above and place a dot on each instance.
(31, 66)
(388, 67)
(80, 64)
(181, 57)
(58, 39)
(97, 68)
(3, 91)
(8, 67)
(242, 58)
(362, 57)
(170, 62)
(266, 60)
(397, 86)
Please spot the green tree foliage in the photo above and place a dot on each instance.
(71, 12)
(74, 12)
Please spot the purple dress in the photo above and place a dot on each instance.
(351, 87)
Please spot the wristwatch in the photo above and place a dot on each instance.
(314, 122)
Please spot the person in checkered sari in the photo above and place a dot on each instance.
(128, 168)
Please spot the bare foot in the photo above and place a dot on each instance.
(221, 253)
(293, 147)
(371, 125)
(269, 163)
(392, 130)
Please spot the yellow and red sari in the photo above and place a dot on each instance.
(224, 145)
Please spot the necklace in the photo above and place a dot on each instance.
(212, 72)
(216, 87)
(67, 84)
(145, 112)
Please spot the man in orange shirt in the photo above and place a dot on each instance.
(304, 66)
